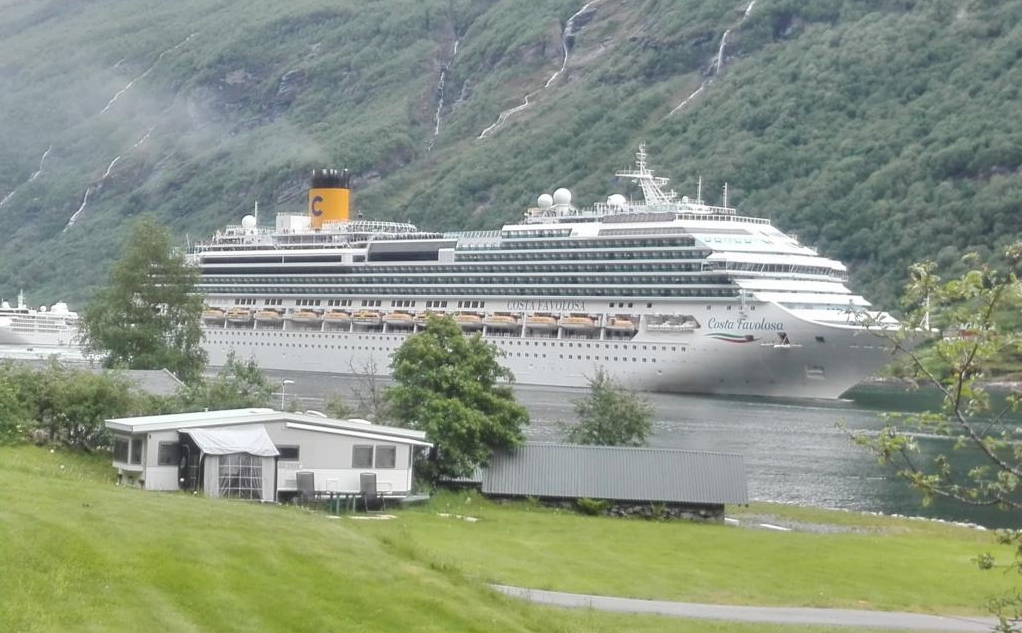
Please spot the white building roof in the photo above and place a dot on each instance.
(234, 417)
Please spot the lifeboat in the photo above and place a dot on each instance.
(214, 316)
(337, 317)
(268, 316)
(367, 318)
(575, 323)
(399, 319)
(620, 324)
(305, 316)
(468, 321)
(500, 322)
(541, 322)
(239, 315)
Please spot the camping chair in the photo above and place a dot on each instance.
(369, 493)
(306, 482)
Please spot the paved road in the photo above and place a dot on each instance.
(770, 615)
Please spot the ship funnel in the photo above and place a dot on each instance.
(328, 196)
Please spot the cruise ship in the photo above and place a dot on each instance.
(666, 293)
(22, 325)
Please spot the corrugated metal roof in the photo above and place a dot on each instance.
(618, 473)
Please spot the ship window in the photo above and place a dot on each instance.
(820, 339)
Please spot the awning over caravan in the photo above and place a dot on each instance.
(236, 439)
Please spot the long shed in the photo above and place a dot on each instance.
(684, 478)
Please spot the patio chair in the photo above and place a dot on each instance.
(306, 482)
(369, 493)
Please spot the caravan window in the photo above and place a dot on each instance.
(136, 450)
(121, 449)
(386, 456)
(169, 454)
(288, 453)
(362, 456)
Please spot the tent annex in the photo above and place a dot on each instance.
(257, 453)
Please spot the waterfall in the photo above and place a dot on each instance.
(120, 92)
(35, 174)
(567, 36)
(718, 62)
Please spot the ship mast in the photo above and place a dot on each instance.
(650, 184)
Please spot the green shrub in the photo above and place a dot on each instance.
(592, 507)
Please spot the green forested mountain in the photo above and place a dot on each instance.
(881, 132)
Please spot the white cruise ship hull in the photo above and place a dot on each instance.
(728, 355)
(13, 332)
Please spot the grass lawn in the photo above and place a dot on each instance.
(874, 563)
(81, 554)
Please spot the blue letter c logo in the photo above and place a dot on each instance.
(316, 211)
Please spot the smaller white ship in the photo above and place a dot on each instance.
(21, 325)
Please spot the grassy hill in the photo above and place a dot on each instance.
(81, 554)
(880, 132)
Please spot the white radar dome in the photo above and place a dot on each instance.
(616, 200)
(248, 222)
(684, 199)
(545, 201)
(562, 196)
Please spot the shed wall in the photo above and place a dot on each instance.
(624, 474)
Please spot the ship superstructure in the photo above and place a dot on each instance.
(22, 325)
(665, 293)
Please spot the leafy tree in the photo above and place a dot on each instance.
(452, 387)
(148, 317)
(238, 385)
(968, 308)
(68, 405)
(610, 415)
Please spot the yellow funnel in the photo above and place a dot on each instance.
(328, 197)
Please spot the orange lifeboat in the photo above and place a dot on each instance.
(468, 321)
(367, 318)
(268, 316)
(337, 318)
(399, 319)
(577, 323)
(214, 316)
(620, 324)
(239, 315)
(306, 316)
(500, 322)
(542, 322)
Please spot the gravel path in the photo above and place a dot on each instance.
(770, 615)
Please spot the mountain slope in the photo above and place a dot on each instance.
(882, 133)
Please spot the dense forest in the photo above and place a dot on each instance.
(880, 132)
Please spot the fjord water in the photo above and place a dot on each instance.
(795, 451)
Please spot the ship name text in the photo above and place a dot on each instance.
(546, 305)
(746, 325)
